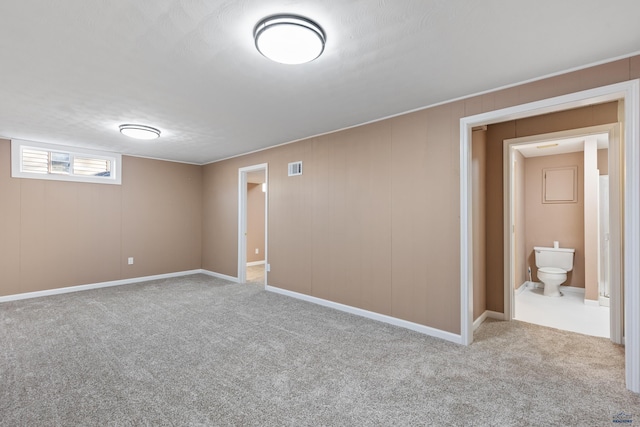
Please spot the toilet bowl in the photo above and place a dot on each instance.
(552, 278)
(553, 265)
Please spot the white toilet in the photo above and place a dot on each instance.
(553, 264)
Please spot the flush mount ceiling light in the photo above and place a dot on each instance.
(139, 131)
(289, 39)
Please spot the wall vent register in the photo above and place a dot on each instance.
(295, 168)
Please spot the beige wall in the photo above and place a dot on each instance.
(58, 234)
(320, 224)
(161, 216)
(255, 222)
(330, 230)
(373, 222)
(571, 119)
(478, 175)
(603, 161)
(220, 206)
(548, 222)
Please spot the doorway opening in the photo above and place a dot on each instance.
(628, 96)
(557, 198)
(252, 224)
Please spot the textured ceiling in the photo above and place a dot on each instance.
(72, 71)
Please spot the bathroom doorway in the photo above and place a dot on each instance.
(624, 245)
(578, 220)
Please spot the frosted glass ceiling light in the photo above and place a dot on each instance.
(289, 39)
(139, 131)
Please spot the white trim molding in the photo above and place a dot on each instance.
(571, 289)
(68, 289)
(242, 218)
(631, 233)
(629, 93)
(219, 276)
(520, 289)
(488, 314)
(509, 146)
(437, 333)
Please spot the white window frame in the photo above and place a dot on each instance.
(17, 146)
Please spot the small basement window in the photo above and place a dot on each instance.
(37, 160)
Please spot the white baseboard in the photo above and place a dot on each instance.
(219, 275)
(572, 289)
(592, 303)
(437, 333)
(488, 314)
(539, 285)
(78, 288)
(252, 263)
(535, 285)
(524, 286)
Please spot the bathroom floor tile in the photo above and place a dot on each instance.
(568, 313)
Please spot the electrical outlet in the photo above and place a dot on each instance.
(268, 267)
(257, 251)
(130, 260)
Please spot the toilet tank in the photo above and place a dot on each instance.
(554, 257)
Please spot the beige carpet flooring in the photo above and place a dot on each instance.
(201, 351)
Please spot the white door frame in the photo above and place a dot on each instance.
(629, 93)
(509, 145)
(242, 220)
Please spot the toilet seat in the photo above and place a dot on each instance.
(551, 270)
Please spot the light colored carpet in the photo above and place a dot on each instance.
(201, 351)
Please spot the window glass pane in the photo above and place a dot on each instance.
(41, 161)
(91, 167)
(60, 162)
(35, 161)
